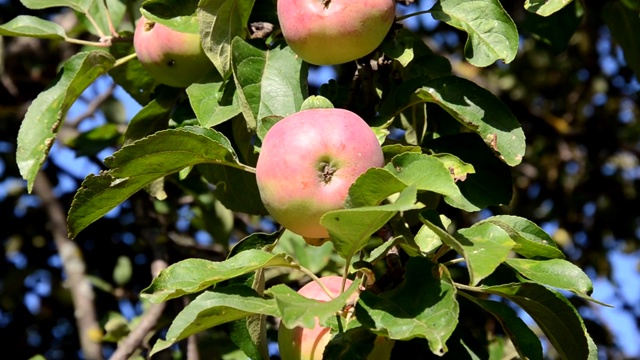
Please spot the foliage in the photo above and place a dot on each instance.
(416, 230)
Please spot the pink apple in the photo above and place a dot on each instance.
(171, 57)
(307, 163)
(309, 344)
(327, 32)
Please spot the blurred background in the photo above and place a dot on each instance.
(572, 90)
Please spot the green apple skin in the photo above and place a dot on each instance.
(172, 58)
(329, 32)
(309, 344)
(307, 163)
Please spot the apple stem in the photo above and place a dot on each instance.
(404, 17)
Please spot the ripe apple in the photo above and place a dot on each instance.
(308, 344)
(307, 163)
(171, 57)
(328, 32)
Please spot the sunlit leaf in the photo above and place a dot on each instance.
(545, 7)
(220, 22)
(32, 26)
(46, 113)
(523, 338)
(194, 275)
(142, 162)
(350, 229)
(268, 82)
(554, 314)
(79, 5)
(531, 241)
(297, 310)
(480, 111)
(492, 33)
(213, 308)
(484, 246)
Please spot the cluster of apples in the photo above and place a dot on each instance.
(309, 159)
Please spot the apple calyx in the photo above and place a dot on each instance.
(326, 170)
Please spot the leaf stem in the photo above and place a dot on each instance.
(124, 59)
(412, 14)
(316, 279)
(95, 24)
(468, 288)
(453, 262)
(88, 43)
(112, 28)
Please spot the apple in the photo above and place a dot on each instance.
(307, 163)
(171, 57)
(309, 344)
(328, 32)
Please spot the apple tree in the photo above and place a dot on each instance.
(419, 257)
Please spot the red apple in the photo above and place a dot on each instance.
(309, 344)
(327, 32)
(171, 57)
(307, 163)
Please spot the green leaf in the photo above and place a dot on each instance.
(557, 273)
(554, 314)
(492, 33)
(491, 183)
(79, 5)
(399, 46)
(268, 82)
(372, 187)
(236, 189)
(480, 111)
(350, 229)
(140, 163)
(545, 7)
(153, 117)
(175, 14)
(557, 29)
(313, 258)
(422, 306)
(131, 76)
(98, 11)
(213, 308)
(220, 22)
(484, 247)
(194, 275)
(213, 102)
(430, 173)
(297, 310)
(523, 338)
(46, 113)
(531, 241)
(316, 102)
(355, 344)
(624, 24)
(33, 26)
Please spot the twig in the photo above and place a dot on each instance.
(151, 317)
(74, 267)
(92, 107)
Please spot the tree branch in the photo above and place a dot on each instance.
(73, 264)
